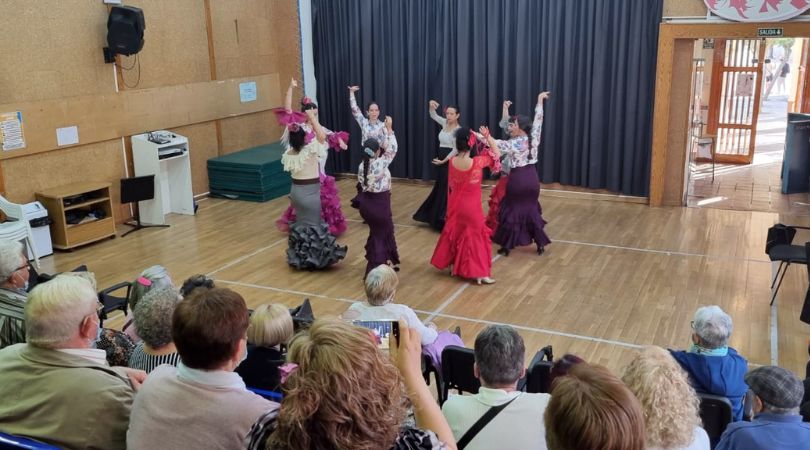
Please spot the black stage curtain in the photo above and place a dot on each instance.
(597, 57)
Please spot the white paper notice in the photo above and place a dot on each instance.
(67, 136)
(11, 132)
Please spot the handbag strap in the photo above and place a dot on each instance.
(480, 424)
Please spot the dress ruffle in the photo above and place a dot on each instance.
(467, 248)
(313, 247)
(330, 209)
(495, 203)
(334, 140)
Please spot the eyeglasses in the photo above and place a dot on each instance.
(26, 267)
(692, 324)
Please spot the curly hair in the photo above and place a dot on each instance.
(153, 316)
(344, 394)
(671, 406)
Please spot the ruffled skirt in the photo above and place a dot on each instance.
(381, 246)
(330, 209)
(310, 244)
(520, 217)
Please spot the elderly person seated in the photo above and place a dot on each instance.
(499, 364)
(153, 318)
(347, 394)
(381, 286)
(201, 403)
(56, 388)
(671, 406)
(777, 423)
(14, 273)
(271, 326)
(154, 277)
(714, 367)
(591, 408)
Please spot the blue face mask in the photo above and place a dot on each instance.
(94, 342)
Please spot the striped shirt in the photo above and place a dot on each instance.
(12, 316)
(146, 362)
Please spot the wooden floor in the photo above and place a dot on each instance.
(617, 275)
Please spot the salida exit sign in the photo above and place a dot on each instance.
(769, 32)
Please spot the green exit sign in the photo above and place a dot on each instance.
(769, 32)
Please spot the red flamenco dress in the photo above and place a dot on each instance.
(465, 240)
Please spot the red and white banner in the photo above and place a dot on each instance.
(757, 10)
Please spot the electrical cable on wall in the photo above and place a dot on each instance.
(134, 63)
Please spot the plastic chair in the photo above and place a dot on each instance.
(538, 376)
(17, 228)
(779, 247)
(113, 302)
(716, 413)
(12, 441)
(269, 395)
(457, 372)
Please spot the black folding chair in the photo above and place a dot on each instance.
(779, 247)
(538, 376)
(457, 372)
(113, 302)
(716, 413)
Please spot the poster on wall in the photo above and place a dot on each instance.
(757, 10)
(745, 85)
(11, 131)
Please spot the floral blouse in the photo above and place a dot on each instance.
(517, 150)
(379, 177)
(409, 438)
(368, 129)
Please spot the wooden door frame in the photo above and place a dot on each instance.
(668, 33)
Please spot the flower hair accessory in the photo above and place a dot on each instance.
(368, 152)
(143, 281)
(293, 127)
(472, 140)
(306, 101)
(445, 110)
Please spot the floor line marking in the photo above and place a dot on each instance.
(244, 257)
(443, 315)
(665, 252)
(453, 297)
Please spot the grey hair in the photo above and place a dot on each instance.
(153, 316)
(499, 353)
(157, 275)
(770, 409)
(55, 310)
(10, 252)
(713, 326)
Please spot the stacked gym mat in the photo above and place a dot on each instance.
(254, 174)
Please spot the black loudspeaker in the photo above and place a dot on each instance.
(125, 28)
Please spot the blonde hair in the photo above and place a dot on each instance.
(55, 309)
(671, 406)
(270, 325)
(344, 394)
(381, 283)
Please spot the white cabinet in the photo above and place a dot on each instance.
(164, 155)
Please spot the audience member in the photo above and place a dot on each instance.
(154, 277)
(346, 394)
(153, 319)
(196, 281)
(671, 406)
(591, 408)
(777, 423)
(56, 388)
(499, 364)
(381, 286)
(201, 403)
(714, 367)
(271, 326)
(560, 368)
(14, 273)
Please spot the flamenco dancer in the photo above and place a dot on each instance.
(371, 126)
(434, 208)
(499, 191)
(330, 199)
(374, 199)
(520, 217)
(310, 245)
(465, 241)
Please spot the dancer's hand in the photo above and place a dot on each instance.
(312, 114)
(507, 104)
(389, 123)
(433, 105)
(354, 89)
(484, 131)
(342, 144)
(437, 162)
(543, 95)
(293, 83)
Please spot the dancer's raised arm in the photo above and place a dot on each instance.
(504, 123)
(320, 134)
(432, 106)
(288, 98)
(356, 113)
(537, 123)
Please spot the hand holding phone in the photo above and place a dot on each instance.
(406, 351)
(383, 330)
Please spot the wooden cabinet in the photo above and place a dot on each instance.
(88, 208)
